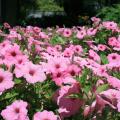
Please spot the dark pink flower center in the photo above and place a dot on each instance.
(111, 25)
(72, 72)
(67, 32)
(113, 57)
(31, 72)
(19, 61)
(57, 66)
(17, 110)
(58, 75)
(1, 79)
(77, 49)
(13, 53)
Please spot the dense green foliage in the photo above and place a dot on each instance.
(110, 13)
(50, 5)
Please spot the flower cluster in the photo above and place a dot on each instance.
(60, 73)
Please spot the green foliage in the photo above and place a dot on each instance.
(110, 13)
(50, 5)
(57, 39)
(104, 58)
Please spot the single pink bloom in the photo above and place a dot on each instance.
(102, 47)
(112, 41)
(43, 35)
(16, 111)
(114, 82)
(12, 53)
(67, 32)
(68, 52)
(81, 34)
(68, 106)
(5, 80)
(36, 29)
(58, 47)
(6, 25)
(93, 55)
(113, 57)
(45, 115)
(91, 32)
(96, 20)
(55, 64)
(78, 49)
(110, 25)
(73, 70)
(33, 73)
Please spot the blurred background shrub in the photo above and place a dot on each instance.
(111, 13)
(46, 13)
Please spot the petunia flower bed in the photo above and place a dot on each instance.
(60, 73)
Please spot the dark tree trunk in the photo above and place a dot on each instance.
(9, 11)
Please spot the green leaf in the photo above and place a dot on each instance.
(8, 95)
(57, 40)
(77, 95)
(104, 58)
(102, 88)
(17, 80)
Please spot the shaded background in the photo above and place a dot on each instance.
(47, 13)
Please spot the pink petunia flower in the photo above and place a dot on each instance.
(16, 111)
(45, 115)
(73, 70)
(78, 49)
(68, 106)
(91, 31)
(102, 47)
(33, 73)
(114, 82)
(81, 34)
(12, 53)
(93, 55)
(113, 57)
(5, 80)
(112, 41)
(110, 25)
(67, 32)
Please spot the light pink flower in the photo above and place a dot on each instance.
(12, 53)
(73, 70)
(45, 115)
(16, 111)
(81, 34)
(100, 71)
(43, 35)
(33, 73)
(96, 20)
(5, 80)
(6, 25)
(112, 41)
(58, 77)
(36, 29)
(67, 32)
(68, 106)
(93, 55)
(113, 57)
(68, 52)
(114, 82)
(110, 25)
(91, 31)
(102, 47)
(58, 47)
(78, 49)
(4, 46)
(55, 64)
